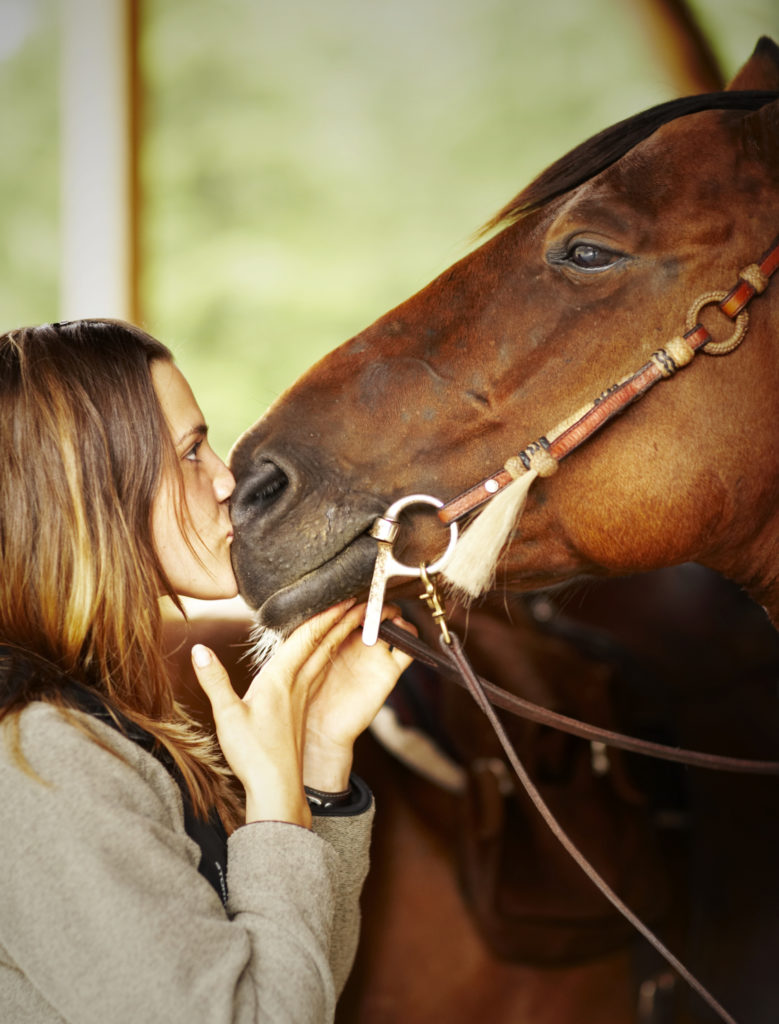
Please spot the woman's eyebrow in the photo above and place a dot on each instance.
(200, 430)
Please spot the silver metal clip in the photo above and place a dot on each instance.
(385, 530)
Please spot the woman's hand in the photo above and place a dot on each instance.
(357, 682)
(310, 680)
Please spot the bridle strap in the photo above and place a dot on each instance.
(501, 698)
(455, 653)
(455, 665)
(558, 443)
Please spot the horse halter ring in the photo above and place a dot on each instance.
(385, 529)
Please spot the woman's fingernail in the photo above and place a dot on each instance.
(201, 656)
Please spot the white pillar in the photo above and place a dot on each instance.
(95, 149)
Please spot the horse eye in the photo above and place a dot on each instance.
(591, 257)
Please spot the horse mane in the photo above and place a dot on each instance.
(597, 153)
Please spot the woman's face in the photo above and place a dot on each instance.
(194, 548)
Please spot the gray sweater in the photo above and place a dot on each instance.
(105, 918)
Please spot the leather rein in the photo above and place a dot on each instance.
(395, 636)
(545, 453)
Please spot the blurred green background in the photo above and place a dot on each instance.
(306, 165)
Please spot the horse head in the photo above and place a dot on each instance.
(583, 275)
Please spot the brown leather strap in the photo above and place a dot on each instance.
(405, 641)
(737, 299)
(461, 665)
(615, 400)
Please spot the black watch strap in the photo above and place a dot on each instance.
(354, 800)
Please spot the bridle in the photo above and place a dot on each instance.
(471, 570)
(553, 446)
(542, 458)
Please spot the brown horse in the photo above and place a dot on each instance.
(593, 268)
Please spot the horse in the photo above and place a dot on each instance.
(593, 267)
(692, 852)
(600, 263)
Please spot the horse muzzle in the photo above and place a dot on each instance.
(299, 545)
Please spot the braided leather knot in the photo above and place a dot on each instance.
(754, 275)
(677, 353)
(536, 457)
(542, 462)
(514, 466)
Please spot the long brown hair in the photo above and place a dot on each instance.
(83, 448)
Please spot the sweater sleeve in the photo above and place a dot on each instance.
(104, 916)
(350, 838)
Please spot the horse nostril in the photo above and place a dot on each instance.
(256, 493)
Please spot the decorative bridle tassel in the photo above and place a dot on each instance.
(472, 568)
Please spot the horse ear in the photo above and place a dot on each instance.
(761, 135)
(761, 129)
(761, 71)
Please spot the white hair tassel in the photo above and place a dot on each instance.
(472, 568)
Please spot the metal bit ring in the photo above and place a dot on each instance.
(386, 529)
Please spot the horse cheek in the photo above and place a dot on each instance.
(644, 509)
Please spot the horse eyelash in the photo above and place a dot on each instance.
(561, 254)
(557, 254)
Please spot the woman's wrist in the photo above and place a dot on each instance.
(279, 804)
(327, 772)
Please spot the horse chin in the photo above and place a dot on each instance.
(347, 574)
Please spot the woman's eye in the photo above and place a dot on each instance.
(192, 454)
(585, 256)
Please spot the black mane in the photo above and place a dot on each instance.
(601, 150)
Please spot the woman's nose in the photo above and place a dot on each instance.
(224, 483)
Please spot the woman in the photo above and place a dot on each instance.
(115, 900)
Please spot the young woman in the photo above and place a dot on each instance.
(121, 896)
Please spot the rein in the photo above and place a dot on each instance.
(454, 665)
(541, 458)
(426, 655)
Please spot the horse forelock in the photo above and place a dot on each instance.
(605, 148)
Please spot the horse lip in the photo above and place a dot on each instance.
(346, 574)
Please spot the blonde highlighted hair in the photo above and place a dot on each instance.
(84, 448)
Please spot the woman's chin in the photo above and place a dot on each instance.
(209, 590)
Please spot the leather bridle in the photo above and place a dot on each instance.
(547, 451)
(553, 446)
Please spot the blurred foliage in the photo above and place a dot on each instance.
(29, 184)
(307, 165)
